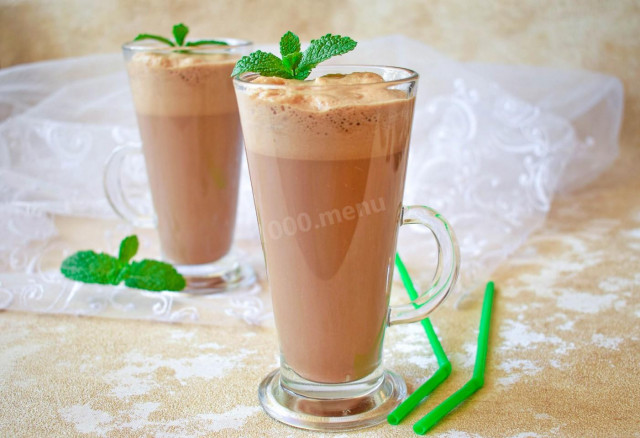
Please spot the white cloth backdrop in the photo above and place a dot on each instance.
(491, 146)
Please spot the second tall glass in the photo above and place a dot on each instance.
(192, 145)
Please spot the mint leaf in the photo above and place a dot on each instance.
(291, 61)
(294, 65)
(289, 44)
(128, 248)
(148, 36)
(302, 74)
(91, 267)
(322, 49)
(180, 32)
(263, 63)
(203, 42)
(153, 275)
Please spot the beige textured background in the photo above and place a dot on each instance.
(592, 34)
(579, 362)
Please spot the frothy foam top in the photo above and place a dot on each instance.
(332, 117)
(176, 60)
(180, 84)
(327, 92)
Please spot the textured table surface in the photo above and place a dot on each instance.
(564, 350)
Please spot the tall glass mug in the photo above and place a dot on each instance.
(192, 146)
(327, 160)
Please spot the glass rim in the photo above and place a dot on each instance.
(243, 78)
(157, 46)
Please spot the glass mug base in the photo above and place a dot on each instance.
(229, 273)
(331, 414)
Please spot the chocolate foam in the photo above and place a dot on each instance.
(333, 117)
(177, 84)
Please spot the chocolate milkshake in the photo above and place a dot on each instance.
(188, 120)
(327, 160)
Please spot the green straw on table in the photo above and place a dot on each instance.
(476, 382)
(444, 366)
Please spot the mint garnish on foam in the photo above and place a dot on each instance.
(294, 64)
(180, 32)
(101, 268)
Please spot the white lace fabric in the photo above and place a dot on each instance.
(490, 148)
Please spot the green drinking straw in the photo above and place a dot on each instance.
(444, 365)
(476, 382)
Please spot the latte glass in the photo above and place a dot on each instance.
(192, 146)
(327, 160)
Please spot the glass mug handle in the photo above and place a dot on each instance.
(113, 188)
(446, 272)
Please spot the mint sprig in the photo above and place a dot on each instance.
(180, 32)
(101, 268)
(294, 64)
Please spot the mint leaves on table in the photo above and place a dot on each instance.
(91, 267)
(180, 32)
(128, 248)
(101, 268)
(294, 64)
(153, 275)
